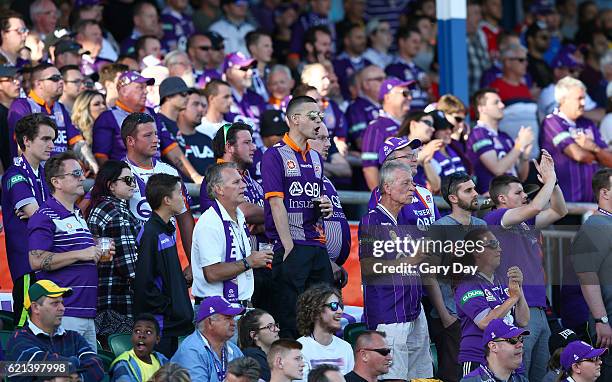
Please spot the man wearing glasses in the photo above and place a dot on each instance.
(13, 33)
(61, 247)
(373, 357)
(516, 222)
(294, 206)
(503, 347)
(74, 84)
(365, 107)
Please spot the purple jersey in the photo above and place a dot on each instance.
(305, 22)
(334, 120)
(91, 65)
(107, 142)
(483, 139)
(422, 212)
(247, 108)
(574, 177)
(296, 176)
(408, 71)
(375, 135)
(448, 164)
(67, 134)
(345, 66)
(484, 374)
(337, 229)
(475, 298)
(203, 77)
(359, 114)
(520, 246)
(55, 229)
(20, 186)
(388, 298)
(177, 28)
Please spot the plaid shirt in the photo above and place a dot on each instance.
(478, 62)
(112, 218)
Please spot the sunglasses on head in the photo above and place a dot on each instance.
(128, 180)
(76, 174)
(54, 78)
(511, 341)
(334, 306)
(382, 351)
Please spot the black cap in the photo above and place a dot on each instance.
(215, 39)
(68, 45)
(8, 71)
(439, 120)
(560, 339)
(171, 86)
(272, 123)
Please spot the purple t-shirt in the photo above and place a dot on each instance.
(20, 187)
(521, 247)
(67, 134)
(107, 142)
(482, 139)
(344, 67)
(448, 165)
(335, 120)
(359, 114)
(374, 136)
(337, 229)
(55, 229)
(205, 76)
(393, 297)
(409, 71)
(422, 212)
(475, 298)
(177, 28)
(297, 177)
(574, 177)
(248, 109)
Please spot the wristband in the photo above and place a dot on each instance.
(246, 264)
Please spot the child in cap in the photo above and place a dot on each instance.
(581, 362)
(139, 363)
(556, 343)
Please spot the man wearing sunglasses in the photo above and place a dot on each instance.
(503, 348)
(373, 357)
(199, 50)
(516, 222)
(365, 107)
(74, 84)
(61, 247)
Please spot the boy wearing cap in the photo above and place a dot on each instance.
(207, 351)
(581, 362)
(503, 349)
(43, 339)
(395, 98)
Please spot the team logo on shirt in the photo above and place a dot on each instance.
(489, 295)
(470, 295)
(317, 169)
(14, 180)
(292, 169)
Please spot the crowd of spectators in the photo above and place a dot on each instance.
(272, 108)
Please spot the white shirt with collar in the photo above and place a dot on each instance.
(208, 248)
(59, 331)
(233, 34)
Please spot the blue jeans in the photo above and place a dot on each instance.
(535, 347)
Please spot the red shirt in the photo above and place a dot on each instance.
(510, 92)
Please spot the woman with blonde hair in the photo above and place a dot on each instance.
(87, 107)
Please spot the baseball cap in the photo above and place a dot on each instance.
(8, 70)
(132, 76)
(395, 143)
(565, 59)
(44, 288)
(391, 83)
(561, 339)
(439, 120)
(273, 123)
(498, 328)
(577, 351)
(69, 45)
(236, 59)
(215, 39)
(171, 86)
(217, 305)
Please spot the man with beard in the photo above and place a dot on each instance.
(516, 223)
(319, 310)
(503, 347)
(179, 65)
(459, 191)
(215, 325)
(351, 60)
(318, 45)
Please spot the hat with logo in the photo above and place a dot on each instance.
(561, 339)
(171, 86)
(577, 351)
(439, 120)
(395, 143)
(44, 288)
(66, 45)
(389, 84)
(132, 76)
(237, 60)
(273, 123)
(498, 328)
(217, 305)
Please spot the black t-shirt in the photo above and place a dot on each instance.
(541, 73)
(198, 150)
(354, 377)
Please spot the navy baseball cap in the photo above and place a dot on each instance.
(393, 144)
(218, 305)
(498, 328)
(391, 83)
(561, 339)
(578, 351)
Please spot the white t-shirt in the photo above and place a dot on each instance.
(339, 353)
(209, 128)
(606, 129)
(208, 247)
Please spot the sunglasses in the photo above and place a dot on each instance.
(128, 180)
(54, 78)
(76, 174)
(313, 115)
(382, 351)
(459, 119)
(270, 327)
(493, 244)
(511, 341)
(334, 306)
(205, 48)
(411, 157)
(406, 93)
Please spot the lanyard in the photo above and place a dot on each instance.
(220, 367)
(492, 376)
(604, 212)
(40, 184)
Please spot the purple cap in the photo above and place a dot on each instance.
(236, 59)
(498, 328)
(132, 76)
(391, 83)
(578, 351)
(217, 305)
(393, 144)
(565, 59)
(86, 3)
